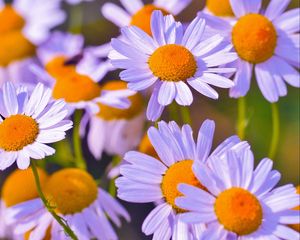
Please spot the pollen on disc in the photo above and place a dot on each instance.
(254, 38)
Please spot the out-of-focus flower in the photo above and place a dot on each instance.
(219, 8)
(23, 26)
(263, 41)
(27, 123)
(147, 179)
(114, 130)
(78, 200)
(146, 147)
(240, 202)
(170, 61)
(74, 74)
(137, 14)
(18, 187)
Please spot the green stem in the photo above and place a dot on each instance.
(185, 115)
(79, 159)
(242, 119)
(112, 186)
(76, 19)
(50, 209)
(173, 112)
(275, 131)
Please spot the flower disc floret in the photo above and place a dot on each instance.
(142, 17)
(254, 38)
(220, 8)
(239, 211)
(20, 186)
(13, 45)
(71, 190)
(110, 113)
(180, 172)
(173, 62)
(17, 131)
(70, 85)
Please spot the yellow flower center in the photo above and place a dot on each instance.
(147, 148)
(296, 226)
(70, 85)
(57, 68)
(239, 211)
(17, 131)
(110, 113)
(20, 186)
(254, 38)
(142, 18)
(71, 190)
(13, 45)
(172, 63)
(180, 172)
(220, 8)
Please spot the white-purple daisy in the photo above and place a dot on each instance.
(267, 41)
(147, 179)
(86, 208)
(28, 122)
(24, 25)
(172, 60)
(240, 202)
(74, 73)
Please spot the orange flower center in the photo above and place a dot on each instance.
(17, 131)
(172, 63)
(110, 113)
(142, 18)
(70, 85)
(254, 38)
(220, 8)
(13, 45)
(20, 186)
(71, 190)
(239, 211)
(180, 172)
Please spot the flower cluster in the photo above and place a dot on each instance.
(83, 126)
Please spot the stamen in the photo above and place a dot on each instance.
(173, 63)
(254, 38)
(17, 131)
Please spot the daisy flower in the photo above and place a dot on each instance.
(27, 123)
(146, 179)
(115, 130)
(18, 187)
(263, 41)
(137, 14)
(84, 206)
(73, 74)
(219, 8)
(170, 61)
(240, 202)
(23, 26)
